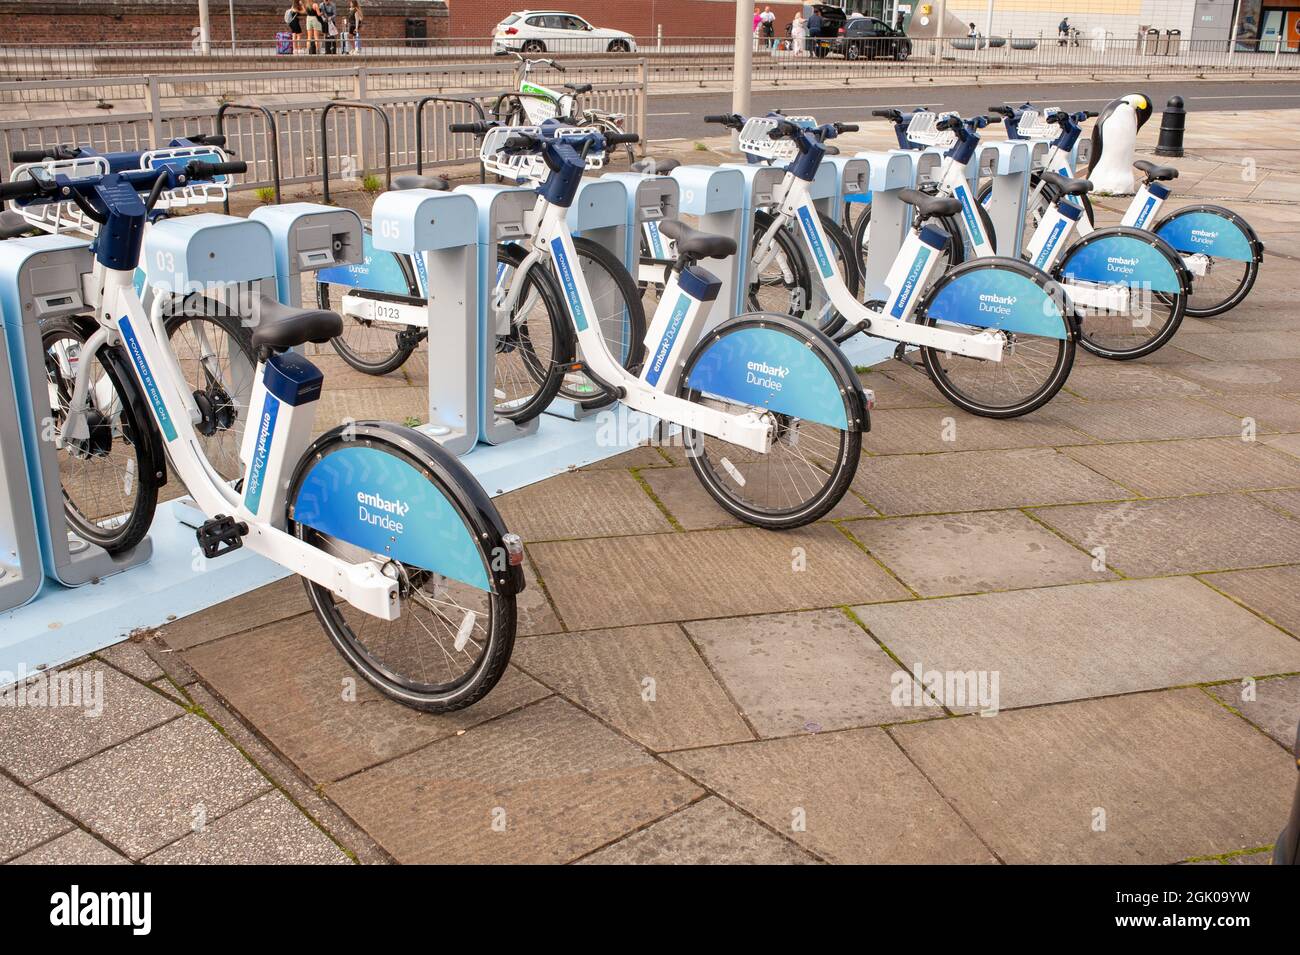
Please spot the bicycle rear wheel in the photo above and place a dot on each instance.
(110, 478)
(1036, 331)
(431, 528)
(816, 413)
(1230, 250)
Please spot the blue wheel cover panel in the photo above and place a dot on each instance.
(377, 272)
(1208, 233)
(1121, 260)
(770, 369)
(376, 501)
(998, 298)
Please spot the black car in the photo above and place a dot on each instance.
(868, 38)
(821, 43)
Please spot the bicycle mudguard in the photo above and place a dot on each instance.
(1002, 293)
(1211, 230)
(377, 271)
(775, 361)
(347, 488)
(1121, 255)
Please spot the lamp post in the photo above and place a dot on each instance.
(744, 61)
(205, 28)
(233, 44)
(1232, 31)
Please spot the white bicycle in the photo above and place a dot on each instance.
(406, 562)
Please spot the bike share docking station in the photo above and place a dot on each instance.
(228, 259)
(20, 550)
(455, 237)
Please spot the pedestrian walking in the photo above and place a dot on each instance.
(296, 18)
(814, 25)
(1063, 32)
(329, 21)
(799, 34)
(355, 18)
(768, 19)
(313, 28)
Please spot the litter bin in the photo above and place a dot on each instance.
(417, 31)
(1149, 42)
(1172, 40)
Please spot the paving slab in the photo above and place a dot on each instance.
(848, 797)
(369, 403)
(1272, 592)
(978, 480)
(25, 821)
(1180, 535)
(642, 457)
(582, 504)
(944, 554)
(533, 611)
(1116, 380)
(1272, 704)
(152, 790)
(902, 389)
(1080, 641)
(36, 740)
(799, 672)
(1285, 501)
(270, 830)
(649, 682)
(1270, 412)
(684, 496)
(918, 430)
(545, 784)
(288, 681)
(130, 657)
(1193, 466)
(1242, 345)
(1287, 443)
(278, 601)
(707, 833)
(1175, 774)
(1242, 378)
(1145, 419)
(708, 574)
(73, 848)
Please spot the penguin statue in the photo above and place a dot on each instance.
(1114, 144)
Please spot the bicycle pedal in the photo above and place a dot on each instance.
(900, 354)
(221, 535)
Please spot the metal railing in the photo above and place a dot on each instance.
(670, 56)
(275, 121)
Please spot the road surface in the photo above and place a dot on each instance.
(678, 116)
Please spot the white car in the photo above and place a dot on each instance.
(554, 31)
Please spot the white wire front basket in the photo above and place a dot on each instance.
(923, 128)
(755, 140)
(60, 218)
(195, 194)
(528, 167)
(1035, 125)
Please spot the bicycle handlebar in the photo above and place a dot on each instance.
(198, 169)
(48, 152)
(730, 120)
(476, 128)
(891, 114)
(22, 189)
(618, 139)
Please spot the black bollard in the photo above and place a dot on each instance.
(1172, 125)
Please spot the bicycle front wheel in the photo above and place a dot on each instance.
(814, 408)
(620, 315)
(783, 285)
(535, 346)
(110, 477)
(426, 524)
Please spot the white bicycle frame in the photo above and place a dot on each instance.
(1140, 214)
(1053, 237)
(268, 465)
(907, 277)
(677, 323)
